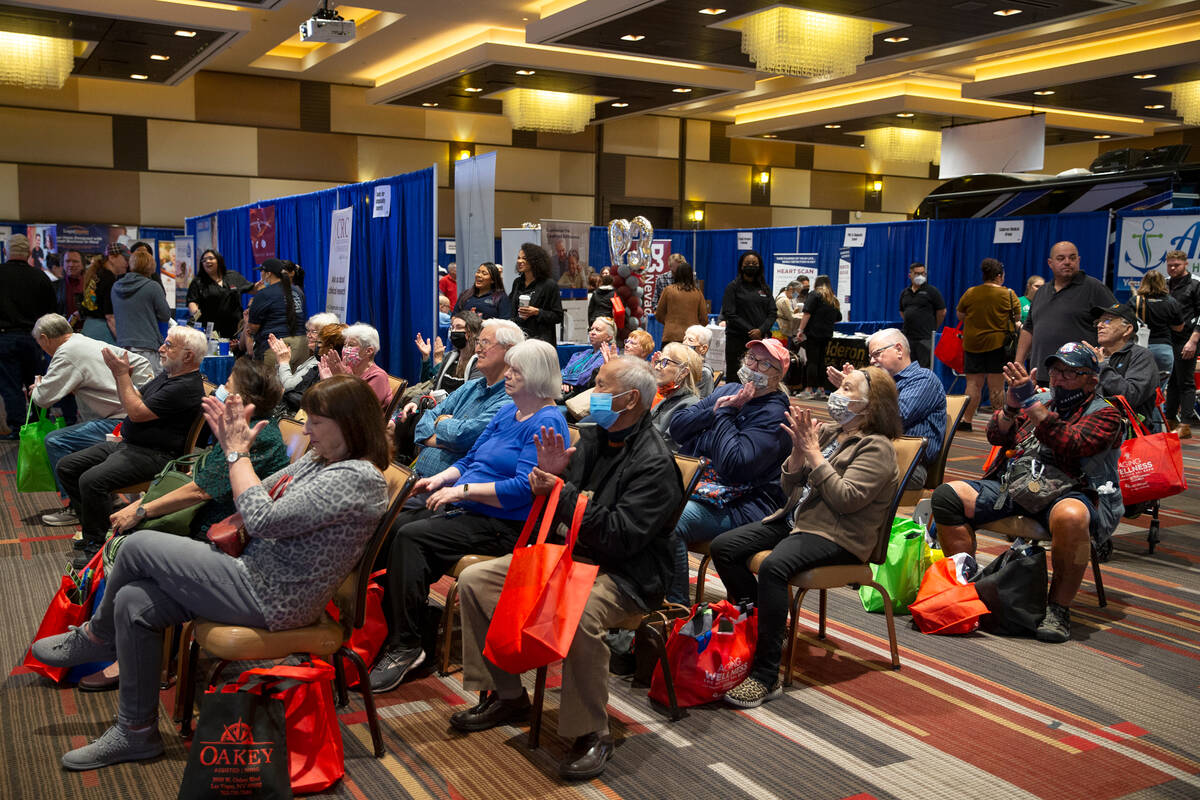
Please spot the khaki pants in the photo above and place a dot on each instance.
(585, 669)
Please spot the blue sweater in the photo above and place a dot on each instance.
(472, 406)
(746, 446)
(504, 454)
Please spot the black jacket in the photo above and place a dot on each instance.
(544, 296)
(1186, 290)
(600, 304)
(25, 294)
(1132, 372)
(746, 307)
(636, 491)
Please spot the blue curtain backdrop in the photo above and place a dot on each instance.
(392, 272)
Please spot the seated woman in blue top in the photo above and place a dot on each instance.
(477, 505)
(486, 297)
(580, 372)
(740, 429)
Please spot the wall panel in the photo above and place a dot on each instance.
(729, 183)
(643, 136)
(307, 156)
(379, 158)
(651, 177)
(72, 194)
(247, 100)
(193, 147)
(55, 137)
(167, 199)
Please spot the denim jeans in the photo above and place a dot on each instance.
(1164, 359)
(699, 522)
(20, 359)
(74, 438)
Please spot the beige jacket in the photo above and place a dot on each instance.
(852, 494)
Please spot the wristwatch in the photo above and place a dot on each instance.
(140, 513)
(233, 456)
(466, 487)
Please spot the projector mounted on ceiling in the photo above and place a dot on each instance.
(326, 25)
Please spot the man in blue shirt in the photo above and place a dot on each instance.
(922, 396)
(447, 431)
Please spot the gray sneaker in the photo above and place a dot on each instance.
(116, 745)
(72, 648)
(68, 516)
(1056, 625)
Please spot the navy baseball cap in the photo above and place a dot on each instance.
(1075, 354)
(1121, 310)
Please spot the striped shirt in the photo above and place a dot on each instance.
(922, 407)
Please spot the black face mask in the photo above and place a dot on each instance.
(752, 271)
(458, 339)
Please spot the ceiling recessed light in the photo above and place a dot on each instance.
(633, 37)
(1102, 136)
(1154, 106)
(681, 90)
(137, 76)
(712, 12)
(526, 72)
(896, 39)
(832, 126)
(905, 114)
(474, 89)
(770, 136)
(620, 105)
(1044, 92)
(159, 57)
(1144, 76)
(1007, 12)
(430, 105)
(185, 34)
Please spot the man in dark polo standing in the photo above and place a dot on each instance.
(1181, 389)
(1061, 311)
(923, 310)
(25, 294)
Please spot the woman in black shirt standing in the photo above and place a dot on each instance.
(821, 311)
(748, 308)
(542, 310)
(215, 295)
(1162, 314)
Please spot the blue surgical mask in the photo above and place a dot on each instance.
(221, 393)
(600, 408)
(839, 408)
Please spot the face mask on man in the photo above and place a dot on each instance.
(1067, 401)
(458, 339)
(839, 408)
(600, 408)
(747, 375)
(919, 280)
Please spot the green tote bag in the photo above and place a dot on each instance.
(33, 467)
(902, 569)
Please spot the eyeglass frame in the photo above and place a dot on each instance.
(759, 362)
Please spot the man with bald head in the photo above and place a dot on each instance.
(1061, 311)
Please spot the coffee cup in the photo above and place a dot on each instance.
(523, 300)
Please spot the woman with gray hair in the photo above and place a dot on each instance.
(139, 303)
(358, 359)
(677, 371)
(475, 506)
(580, 371)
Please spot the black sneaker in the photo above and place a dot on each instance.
(81, 555)
(393, 664)
(1056, 625)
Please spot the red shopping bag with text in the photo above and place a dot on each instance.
(316, 754)
(1151, 464)
(947, 601)
(71, 605)
(543, 597)
(709, 653)
(949, 348)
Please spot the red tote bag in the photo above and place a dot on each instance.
(65, 609)
(1151, 464)
(543, 596)
(949, 348)
(316, 754)
(709, 653)
(367, 640)
(945, 603)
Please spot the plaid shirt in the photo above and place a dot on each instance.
(1070, 440)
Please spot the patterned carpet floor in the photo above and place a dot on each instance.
(1111, 714)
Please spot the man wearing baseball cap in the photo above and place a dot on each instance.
(1126, 368)
(739, 429)
(1070, 428)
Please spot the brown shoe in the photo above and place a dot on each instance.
(1172, 423)
(101, 681)
(1184, 431)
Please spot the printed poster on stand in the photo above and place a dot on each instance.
(340, 237)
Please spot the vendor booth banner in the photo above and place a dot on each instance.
(1143, 244)
(206, 233)
(339, 261)
(660, 251)
(91, 240)
(475, 215)
(788, 267)
(42, 240)
(262, 233)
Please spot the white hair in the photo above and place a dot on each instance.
(53, 325)
(891, 336)
(702, 333)
(366, 335)
(608, 323)
(537, 361)
(319, 321)
(631, 372)
(508, 333)
(190, 340)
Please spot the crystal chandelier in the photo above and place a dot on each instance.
(1185, 99)
(904, 144)
(792, 41)
(35, 62)
(551, 112)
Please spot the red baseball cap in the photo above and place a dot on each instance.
(774, 350)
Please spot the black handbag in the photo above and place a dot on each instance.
(1013, 587)
(1034, 484)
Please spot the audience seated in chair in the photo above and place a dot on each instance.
(1126, 368)
(155, 431)
(698, 338)
(290, 375)
(358, 359)
(639, 344)
(841, 481)
(580, 371)
(922, 396)
(475, 506)
(77, 368)
(447, 432)
(637, 489)
(739, 428)
(676, 370)
(329, 340)
(449, 369)
(1070, 428)
(302, 544)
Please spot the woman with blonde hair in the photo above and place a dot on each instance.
(677, 371)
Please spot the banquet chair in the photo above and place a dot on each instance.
(294, 437)
(326, 638)
(397, 387)
(189, 446)
(956, 406)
